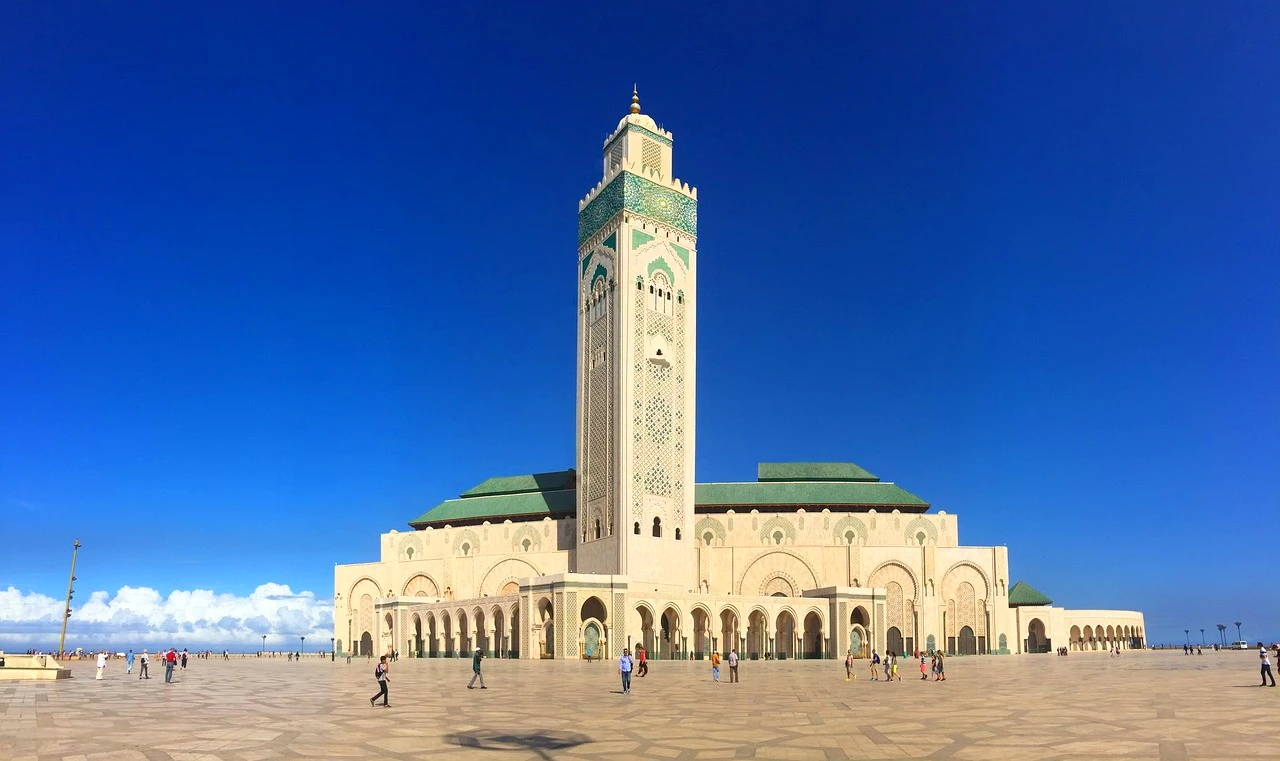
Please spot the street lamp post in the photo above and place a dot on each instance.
(333, 656)
(264, 646)
(1238, 635)
(62, 640)
(304, 645)
(1188, 631)
(1222, 634)
(1202, 637)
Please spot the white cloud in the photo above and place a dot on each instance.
(139, 617)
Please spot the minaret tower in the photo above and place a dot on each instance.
(637, 299)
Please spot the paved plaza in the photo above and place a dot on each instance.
(1148, 705)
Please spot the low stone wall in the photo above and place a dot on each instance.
(31, 667)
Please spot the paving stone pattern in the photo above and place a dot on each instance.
(1085, 706)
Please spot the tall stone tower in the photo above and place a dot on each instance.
(637, 301)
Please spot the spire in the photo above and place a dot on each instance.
(635, 100)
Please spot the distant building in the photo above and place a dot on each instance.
(809, 561)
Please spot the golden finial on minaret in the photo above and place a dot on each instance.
(635, 100)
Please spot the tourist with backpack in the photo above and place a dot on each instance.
(380, 673)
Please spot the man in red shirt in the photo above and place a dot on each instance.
(170, 660)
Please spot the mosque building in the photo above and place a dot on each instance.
(810, 560)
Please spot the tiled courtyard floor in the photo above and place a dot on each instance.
(1085, 706)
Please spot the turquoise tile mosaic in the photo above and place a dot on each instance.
(644, 197)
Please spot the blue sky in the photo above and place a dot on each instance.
(276, 279)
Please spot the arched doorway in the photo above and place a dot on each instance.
(366, 644)
(482, 634)
(701, 633)
(728, 631)
(784, 638)
(464, 634)
(670, 642)
(893, 640)
(446, 624)
(417, 636)
(500, 645)
(592, 617)
(813, 640)
(546, 635)
(591, 640)
(433, 638)
(757, 634)
(513, 646)
(860, 620)
(646, 639)
(968, 644)
(1076, 641)
(1037, 642)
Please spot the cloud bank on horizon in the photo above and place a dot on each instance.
(140, 617)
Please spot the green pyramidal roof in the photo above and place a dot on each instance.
(560, 479)
(812, 471)
(1023, 593)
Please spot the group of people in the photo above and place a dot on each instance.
(172, 659)
(931, 663)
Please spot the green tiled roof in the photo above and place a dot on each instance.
(812, 471)
(874, 494)
(1023, 593)
(538, 504)
(561, 479)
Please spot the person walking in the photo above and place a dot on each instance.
(142, 668)
(380, 673)
(184, 659)
(644, 661)
(733, 665)
(170, 660)
(848, 665)
(102, 664)
(894, 663)
(475, 668)
(924, 676)
(715, 666)
(941, 674)
(875, 666)
(128, 663)
(1266, 666)
(624, 670)
(887, 662)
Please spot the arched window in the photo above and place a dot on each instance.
(677, 535)
(597, 528)
(657, 527)
(660, 294)
(777, 537)
(525, 544)
(409, 552)
(848, 537)
(707, 537)
(466, 548)
(637, 528)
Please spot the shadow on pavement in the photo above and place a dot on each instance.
(541, 743)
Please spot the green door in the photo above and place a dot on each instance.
(592, 637)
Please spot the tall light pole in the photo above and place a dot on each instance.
(1188, 631)
(304, 645)
(333, 656)
(62, 639)
(1222, 634)
(264, 646)
(1238, 635)
(1202, 637)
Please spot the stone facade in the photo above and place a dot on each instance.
(812, 560)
